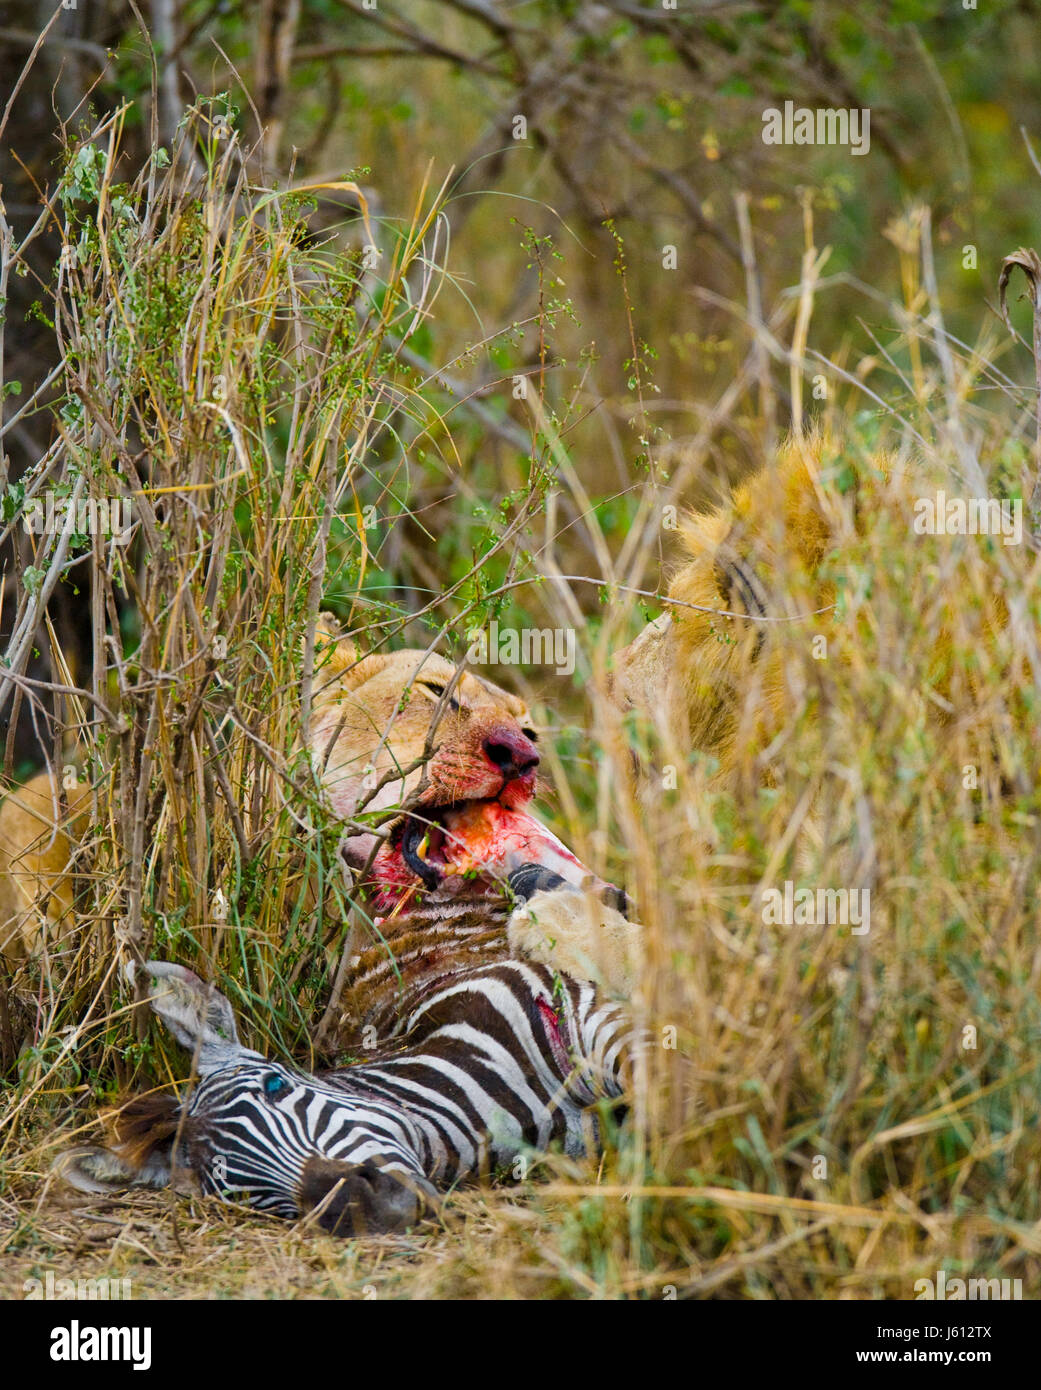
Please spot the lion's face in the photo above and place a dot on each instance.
(374, 717)
(404, 729)
(709, 672)
(457, 751)
(686, 671)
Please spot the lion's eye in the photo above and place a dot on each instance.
(437, 691)
(274, 1084)
(530, 733)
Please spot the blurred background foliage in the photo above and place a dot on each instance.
(642, 130)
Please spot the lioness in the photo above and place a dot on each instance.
(400, 729)
(37, 847)
(406, 729)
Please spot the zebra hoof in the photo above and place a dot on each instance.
(530, 879)
(363, 1199)
(617, 898)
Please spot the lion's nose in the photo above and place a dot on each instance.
(511, 752)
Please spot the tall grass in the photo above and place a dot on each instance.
(227, 377)
(822, 1128)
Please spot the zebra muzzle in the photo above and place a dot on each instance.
(363, 1199)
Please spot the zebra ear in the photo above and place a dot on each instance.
(197, 1014)
(142, 1132)
(90, 1168)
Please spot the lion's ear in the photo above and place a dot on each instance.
(338, 661)
(333, 652)
(327, 629)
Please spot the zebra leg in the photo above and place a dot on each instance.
(529, 879)
(576, 934)
(364, 1199)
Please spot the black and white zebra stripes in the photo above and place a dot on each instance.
(504, 1058)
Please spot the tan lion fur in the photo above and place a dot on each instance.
(37, 844)
(714, 674)
(371, 716)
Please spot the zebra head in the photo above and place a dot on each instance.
(284, 1140)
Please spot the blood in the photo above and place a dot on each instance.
(481, 844)
(551, 1020)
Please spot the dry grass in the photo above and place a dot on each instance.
(801, 1045)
